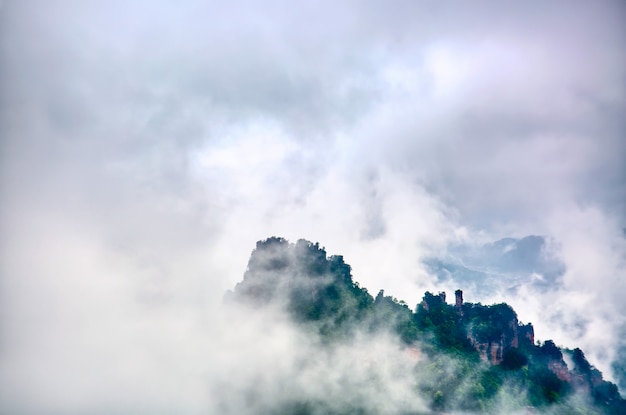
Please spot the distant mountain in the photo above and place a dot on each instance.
(473, 355)
(505, 264)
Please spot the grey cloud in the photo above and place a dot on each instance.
(160, 141)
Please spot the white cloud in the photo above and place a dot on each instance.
(147, 147)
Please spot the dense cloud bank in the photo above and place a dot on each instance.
(145, 146)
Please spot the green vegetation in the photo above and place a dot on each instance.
(476, 357)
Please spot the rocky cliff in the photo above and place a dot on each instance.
(490, 330)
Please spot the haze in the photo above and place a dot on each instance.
(147, 145)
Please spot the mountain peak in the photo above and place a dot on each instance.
(318, 293)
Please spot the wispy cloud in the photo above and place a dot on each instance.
(147, 146)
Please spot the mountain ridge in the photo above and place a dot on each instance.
(496, 351)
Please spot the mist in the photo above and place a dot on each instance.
(145, 147)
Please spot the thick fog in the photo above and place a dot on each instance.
(146, 146)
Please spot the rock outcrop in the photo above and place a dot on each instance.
(491, 330)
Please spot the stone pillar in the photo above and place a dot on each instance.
(458, 294)
(459, 298)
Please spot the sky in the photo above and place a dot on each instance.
(147, 145)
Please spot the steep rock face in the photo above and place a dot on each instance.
(492, 349)
(303, 281)
(431, 302)
(291, 274)
(492, 330)
(559, 368)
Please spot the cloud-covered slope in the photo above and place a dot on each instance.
(467, 357)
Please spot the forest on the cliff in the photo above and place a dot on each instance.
(457, 358)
